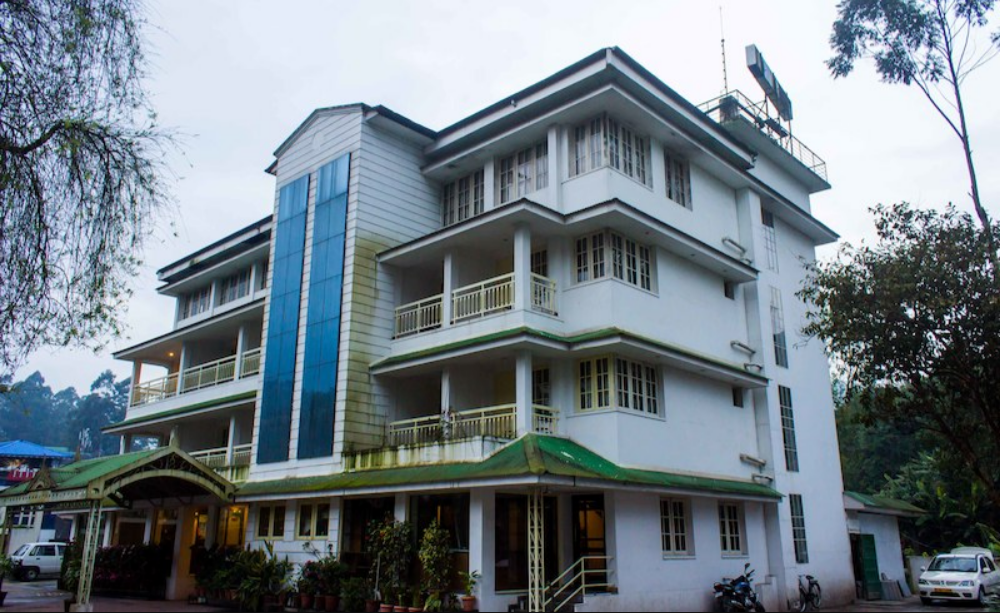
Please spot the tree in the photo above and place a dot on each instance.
(872, 451)
(79, 170)
(104, 405)
(930, 44)
(914, 322)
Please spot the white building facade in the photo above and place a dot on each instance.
(574, 310)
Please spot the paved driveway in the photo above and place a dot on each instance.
(910, 604)
(43, 596)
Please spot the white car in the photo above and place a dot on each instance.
(32, 560)
(968, 574)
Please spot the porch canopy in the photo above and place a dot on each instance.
(118, 480)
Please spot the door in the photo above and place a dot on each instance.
(46, 559)
(590, 538)
(869, 562)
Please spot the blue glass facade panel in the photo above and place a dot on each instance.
(283, 323)
(319, 379)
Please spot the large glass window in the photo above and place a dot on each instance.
(606, 142)
(799, 529)
(463, 198)
(235, 286)
(631, 262)
(271, 522)
(778, 329)
(283, 322)
(788, 429)
(635, 385)
(451, 511)
(326, 284)
(523, 172)
(196, 302)
(770, 240)
(313, 521)
(674, 529)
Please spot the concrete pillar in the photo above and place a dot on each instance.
(108, 529)
(446, 403)
(448, 285)
(175, 436)
(241, 344)
(182, 366)
(482, 546)
(181, 583)
(334, 530)
(136, 377)
(562, 375)
(555, 164)
(522, 267)
(489, 185)
(401, 508)
(232, 439)
(147, 534)
(522, 379)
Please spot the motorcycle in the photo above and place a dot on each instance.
(738, 594)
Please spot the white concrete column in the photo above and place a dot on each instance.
(522, 378)
(108, 529)
(401, 508)
(333, 537)
(232, 439)
(448, 285)
(126, 444)
(254, 278)
(482, 546)
(555, 159)
(175, 436)
(522, 267)
(136, 377)
(185, 357)
(147, 533)
(241, 346)
(563, 391)
(489, 185)
(446, 404)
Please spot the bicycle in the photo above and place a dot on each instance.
(810, 596)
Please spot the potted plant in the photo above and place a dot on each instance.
(354, 592)
(417, 601)
(470, 579)
(435, 558)
(331, 573)
(400, 601)
(391, 545)
(371, 598)
(387, 599)
(307, 585)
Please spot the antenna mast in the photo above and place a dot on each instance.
(725, 71)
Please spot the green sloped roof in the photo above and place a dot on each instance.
(79, 474)
(181, 410)
(884, 503)
(531, 455)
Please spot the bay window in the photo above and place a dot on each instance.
(631, 262)
(635, 385)
(463, 198)
(523, 172)
(605, 141)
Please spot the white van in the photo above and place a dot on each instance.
(33, 560)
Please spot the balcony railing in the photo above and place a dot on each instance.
(543, 295)
(235, 469)
(481, 299)
(196, 378)
(497, 422)
(419, 316)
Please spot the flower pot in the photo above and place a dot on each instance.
(306, 601)
(399, 609)
(332, 603)
(385, 608)
(468, 603)
(416, 610)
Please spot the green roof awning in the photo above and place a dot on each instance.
(882, 504)
(530, 456)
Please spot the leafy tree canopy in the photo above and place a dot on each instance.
(80, 163)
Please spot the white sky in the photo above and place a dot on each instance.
(238, 77)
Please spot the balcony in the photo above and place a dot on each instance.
(199, 377)
(233, 464)
(475, 301)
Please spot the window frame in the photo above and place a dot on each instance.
(237, 284)
(605, 141)
(770, 239)
(616, 383)
(779, 333)
(201, 297)
(726, 534)
(790, 443)
(611, 255)
(668, 519)
(522, 172)
(314, 521)
(473, 187)
(799, 538)
(677, 176)
(270, 534)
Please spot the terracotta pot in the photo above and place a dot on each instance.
(399, 609)
(468, 603)
(385, 608)
(416, 610)
(306, 600)
(332, 604)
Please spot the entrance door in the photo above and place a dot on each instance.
(589, 536)
(869, 562)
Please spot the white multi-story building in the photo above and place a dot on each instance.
(565, 326)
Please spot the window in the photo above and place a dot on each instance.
(770, 240)
(738, 397)
(799, 529)
(778, 329)
(314, 521)
(235, 286)
(271, 522)
(196, 302)
(22, 519)
(674, 529)
(463, 198)
(524, 172)
(541, 387)
(630, 261)
(262, 282)
(635, 386)
(604, 141)
(451, 511)
(731, 528)
(540, 263)
(678, 179)
(788, 429)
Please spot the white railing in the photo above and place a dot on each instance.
(196, 378)
(419, 316)
(235, 470)
(419, 431)
(498, 422)
(251, 363)
(546, 420)
(588, 574)
(543, 295)
(490, 296)
(209, 374)
(155, 390)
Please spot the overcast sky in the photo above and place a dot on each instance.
(238, 77)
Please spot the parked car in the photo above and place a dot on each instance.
(966, 574)
(34, 560)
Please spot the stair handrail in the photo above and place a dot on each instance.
(581, 577)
